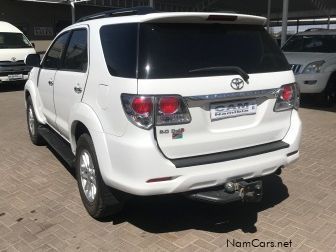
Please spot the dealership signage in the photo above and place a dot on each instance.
(43, 31)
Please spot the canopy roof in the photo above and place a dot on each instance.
(297, 8)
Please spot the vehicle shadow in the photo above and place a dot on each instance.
(161, 214)
(70, 169)
(309, 102)
(12, 86)
(172, 213)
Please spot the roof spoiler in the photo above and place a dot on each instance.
(141, 10)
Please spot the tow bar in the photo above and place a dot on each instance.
(232, 191)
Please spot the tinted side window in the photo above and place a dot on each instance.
(53, 58)
(119, 44)
(76, 54)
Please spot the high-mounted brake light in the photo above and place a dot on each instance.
(288, 97)
(168, 110)
(228, 18)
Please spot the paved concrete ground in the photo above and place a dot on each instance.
(40, 207)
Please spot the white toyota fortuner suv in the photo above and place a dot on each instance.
(146, 103)
(312, 55)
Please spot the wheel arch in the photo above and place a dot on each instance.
(30, 91)
(83, 120)
(27, 94)
(333, 84)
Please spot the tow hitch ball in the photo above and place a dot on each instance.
(248, 191)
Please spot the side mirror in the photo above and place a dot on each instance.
(33, 60)
(33, 44)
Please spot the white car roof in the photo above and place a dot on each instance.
(318, 32)
(178, 17)
(7, 27)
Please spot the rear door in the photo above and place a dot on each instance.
(198, 62)
(71, 78)
(50, 65)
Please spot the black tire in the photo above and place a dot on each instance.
(107, 201)
(33, 124)
(328, 96)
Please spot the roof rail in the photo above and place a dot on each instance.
(316, 29)
(141, 10)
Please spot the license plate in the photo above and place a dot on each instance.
(15, 77)
(232, 109)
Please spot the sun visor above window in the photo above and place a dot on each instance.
(199, 17)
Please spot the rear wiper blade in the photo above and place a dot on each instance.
(231, 69)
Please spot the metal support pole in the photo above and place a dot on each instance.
(284, 22)
(328, 26)
(151, 3)
(269, 5)
(73, 16)
(297, 25)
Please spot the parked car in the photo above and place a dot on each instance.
(145, 103)
(14, 47)
(312, 55)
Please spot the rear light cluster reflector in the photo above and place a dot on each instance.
(160, 179)
(146, 111)
(288, 97)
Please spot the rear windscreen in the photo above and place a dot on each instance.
(159, 51)
(174, 50)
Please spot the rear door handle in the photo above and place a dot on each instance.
(78, 90)
(51, 83)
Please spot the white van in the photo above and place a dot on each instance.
(14, 47)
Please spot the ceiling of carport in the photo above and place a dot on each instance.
(297, 8)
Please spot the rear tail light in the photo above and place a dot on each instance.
(288, 97)
(139, 110)
(142, 105)
(171, 110)
(147, 111)
(169, 105)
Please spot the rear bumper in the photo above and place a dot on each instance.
(130, 163)
(312, 83)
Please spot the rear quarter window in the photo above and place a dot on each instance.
(119, 43)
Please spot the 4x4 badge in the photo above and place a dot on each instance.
(237, 84)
